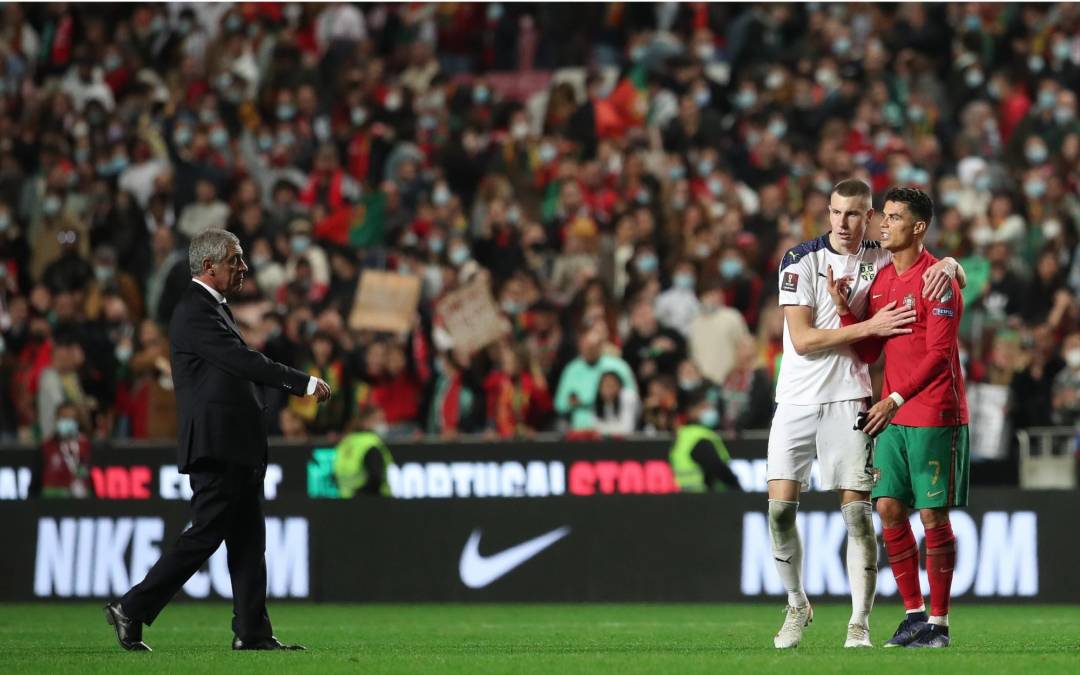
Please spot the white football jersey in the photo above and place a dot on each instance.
(832, 374)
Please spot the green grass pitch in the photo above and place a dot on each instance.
(74, 638)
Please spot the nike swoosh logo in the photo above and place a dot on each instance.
(935, 494)
(478, 571)
(944, 571)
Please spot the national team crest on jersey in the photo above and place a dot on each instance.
(790, 282)
(866, 271)
(909, 301)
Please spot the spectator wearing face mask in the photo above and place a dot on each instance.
(715, 335)
(644, 271)
(56, 233)
(60, 383)
(70, 271)
(65, 457)
(699, 458)
(742, 288)
(303, 249)
(678, 306)
(109, 277)
(269, 273)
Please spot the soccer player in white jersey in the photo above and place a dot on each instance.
(822, 388)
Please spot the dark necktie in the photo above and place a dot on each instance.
(232, 319)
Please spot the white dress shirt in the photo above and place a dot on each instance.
(312, 381)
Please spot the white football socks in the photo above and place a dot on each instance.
(862, 559)
(940, 620)
(787, 549)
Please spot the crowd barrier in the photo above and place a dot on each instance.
(1013, 546)
(513, 521)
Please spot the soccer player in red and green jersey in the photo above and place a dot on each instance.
(922, 451)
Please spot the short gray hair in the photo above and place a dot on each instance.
(212, 245)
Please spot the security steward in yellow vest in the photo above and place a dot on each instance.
(360, 465)
(699, 459)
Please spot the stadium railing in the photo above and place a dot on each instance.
(1048, 457)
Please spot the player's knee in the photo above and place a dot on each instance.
(932, 518)
(782, 515)
(857, 517)
(892, 512)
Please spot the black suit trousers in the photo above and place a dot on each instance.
(227, 501)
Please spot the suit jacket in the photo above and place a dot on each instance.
(218, 379)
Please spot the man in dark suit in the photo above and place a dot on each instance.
(223, 446)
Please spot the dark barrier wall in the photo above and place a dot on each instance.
(1012, 546)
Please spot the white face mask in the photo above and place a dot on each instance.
(1051, 229)
(66, 427)
(1072, 357)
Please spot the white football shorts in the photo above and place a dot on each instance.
(827, 430)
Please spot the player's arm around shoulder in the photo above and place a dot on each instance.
(938, 277)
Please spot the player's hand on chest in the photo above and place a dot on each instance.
(904, 296)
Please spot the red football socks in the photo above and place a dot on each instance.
(904, 561)
(940, 561)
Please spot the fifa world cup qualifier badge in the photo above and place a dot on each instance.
(790, 282)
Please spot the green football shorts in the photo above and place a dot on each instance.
(923, 467)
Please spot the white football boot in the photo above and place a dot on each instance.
(857, 636)
(796, 620)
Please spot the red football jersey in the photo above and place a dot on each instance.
(923, 366)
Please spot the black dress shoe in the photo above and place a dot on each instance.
(128, 630)
(264, 644)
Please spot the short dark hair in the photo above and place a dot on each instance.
(851, 187)
(917, 201)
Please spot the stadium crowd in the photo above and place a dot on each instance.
(624, 177)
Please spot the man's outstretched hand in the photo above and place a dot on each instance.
(322, 390)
